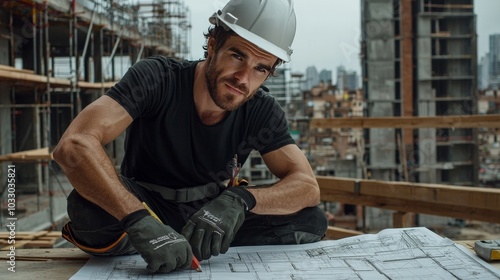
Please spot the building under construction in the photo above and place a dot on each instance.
(56, 56)
(419, 59)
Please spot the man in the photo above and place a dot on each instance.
(185, 123)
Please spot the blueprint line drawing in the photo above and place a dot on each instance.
(407, 253)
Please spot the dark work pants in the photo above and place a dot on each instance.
(97, 232)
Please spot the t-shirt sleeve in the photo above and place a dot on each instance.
(140, 90)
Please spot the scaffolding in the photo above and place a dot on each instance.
(57, 56)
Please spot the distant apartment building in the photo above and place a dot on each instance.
(494, 62)
(311, 78)
(483, 73)
(333, 151)
(489, 139)
(489, 66)
(325, 76)
(419, 59)
(278, 87)
(347, 80)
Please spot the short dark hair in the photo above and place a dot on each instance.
(220, 34)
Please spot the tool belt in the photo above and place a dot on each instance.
(183, 195)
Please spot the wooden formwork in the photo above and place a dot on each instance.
(27, 239)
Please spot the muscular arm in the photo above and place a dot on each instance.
(81, 155)
(296, 189)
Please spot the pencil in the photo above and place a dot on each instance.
(195, 264)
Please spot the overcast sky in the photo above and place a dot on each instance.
(328, 31)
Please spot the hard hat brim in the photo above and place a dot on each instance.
(260, 42)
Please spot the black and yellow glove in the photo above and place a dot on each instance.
(160, 246)
(211, 229)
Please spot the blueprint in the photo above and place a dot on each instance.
(407, 253)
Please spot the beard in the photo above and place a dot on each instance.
(225, 101)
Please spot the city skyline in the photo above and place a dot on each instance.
(314, 47)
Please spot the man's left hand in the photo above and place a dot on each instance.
(211, 229)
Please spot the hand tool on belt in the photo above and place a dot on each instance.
(235, 169)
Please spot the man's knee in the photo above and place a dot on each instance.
(307, 226)
(87, 215)
(94, 230)
(315, 217)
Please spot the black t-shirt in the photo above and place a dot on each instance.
(167, 144)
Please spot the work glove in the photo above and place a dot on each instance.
(160, 246)
(211, 229)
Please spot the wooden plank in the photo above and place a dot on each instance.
(482, 198)
(402, 219)
(88, 85)
(22, 77)
(31, 234)
(14, 69)
(40, 239)
(462, 121)
(40, 243)
(51, 254)
(30, 155)
(480, 204)
(338, 233)
(32, 78)
(19, 244)
(47, 263)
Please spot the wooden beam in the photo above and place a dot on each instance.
(25, 77)
(462, 121)
(402, 219)
(14, 69)
(30, 155)
(41, 239)
(89, 85)
(29, 78)
(480, 204)
(338, 233)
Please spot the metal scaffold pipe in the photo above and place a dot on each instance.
(47, 114)
(87, 40)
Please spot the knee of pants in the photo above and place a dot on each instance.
(312, 220)
(310, 226)
(87, 215)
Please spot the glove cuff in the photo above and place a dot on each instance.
(133, 217)
(247, 196)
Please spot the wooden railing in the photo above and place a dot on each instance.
(474, 203)
(482, 204)
(457, 121)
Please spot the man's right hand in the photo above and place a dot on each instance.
(159, 245)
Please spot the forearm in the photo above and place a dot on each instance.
(93, 175)
(289, 195)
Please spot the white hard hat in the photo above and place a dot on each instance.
(268, 24)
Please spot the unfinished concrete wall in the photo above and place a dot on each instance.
(442, 58)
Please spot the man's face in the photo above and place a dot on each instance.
(235, 71)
